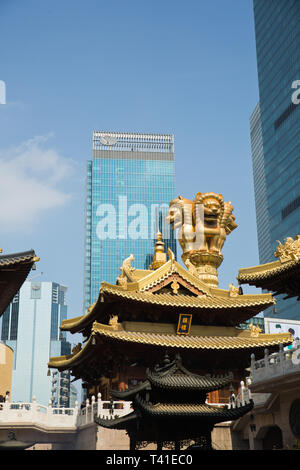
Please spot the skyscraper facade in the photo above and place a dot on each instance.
(30, 326)
(260, 188)
(275, 130)
(130, 182)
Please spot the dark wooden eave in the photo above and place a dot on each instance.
(14, 269)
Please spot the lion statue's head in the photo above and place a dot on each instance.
(213, 207)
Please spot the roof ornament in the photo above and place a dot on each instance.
(233, 291)
(175, 286)
(114, 322)
(171, 256)
(159, 257)
(126, 271)
(255, 330)
(77, 348)
(289, 251)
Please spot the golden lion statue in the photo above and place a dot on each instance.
(202, 224)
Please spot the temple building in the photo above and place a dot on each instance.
(177, 309)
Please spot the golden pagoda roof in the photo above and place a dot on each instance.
(191, 293)
(266, 271)
(201, 337)
(164, 335)
(143, 280)
(281, 276)
(218, 298)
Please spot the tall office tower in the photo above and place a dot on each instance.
(30, 326)
(130, 182)
(260, 189)
(275, 130)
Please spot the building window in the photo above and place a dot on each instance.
(36, 291)
(54, 322)
(286, 113)
(55, 294)
(290, 207)
(14, 321)
(5, 324)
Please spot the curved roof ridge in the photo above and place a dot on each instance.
(122, 394)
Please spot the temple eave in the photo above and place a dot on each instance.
(106, 334)
(14, 269)
(194, 411)
(122, 423)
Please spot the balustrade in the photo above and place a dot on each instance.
(242, 398)
(34, 413)
(276, 364)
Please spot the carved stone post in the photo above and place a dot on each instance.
(76, 413)
(266, 360)
(87, 403)
(243, 393)
(93, 408)
(99, 404)
(253, 372)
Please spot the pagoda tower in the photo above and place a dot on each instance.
(179, 309)
(170, 405)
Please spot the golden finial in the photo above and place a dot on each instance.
(159, 257)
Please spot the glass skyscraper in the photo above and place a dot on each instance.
(275, 131)
(130, 182)
(260, 188)
(30, 326)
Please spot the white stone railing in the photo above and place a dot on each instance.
(34, 413)
(31, 414)
(242, 398)
(103, 409)
(276, 364)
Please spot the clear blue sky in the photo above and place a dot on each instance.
(71, 67)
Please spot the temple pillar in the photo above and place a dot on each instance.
(132, 442)
(177, 446)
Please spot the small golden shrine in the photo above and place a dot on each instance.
(171, 307)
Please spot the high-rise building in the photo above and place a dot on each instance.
(30, 327)
(130, 182)
(260, 190)
(275, 131)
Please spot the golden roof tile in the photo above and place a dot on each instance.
(267, 270)
(200, 338)
(241, 339)
(219, 300)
